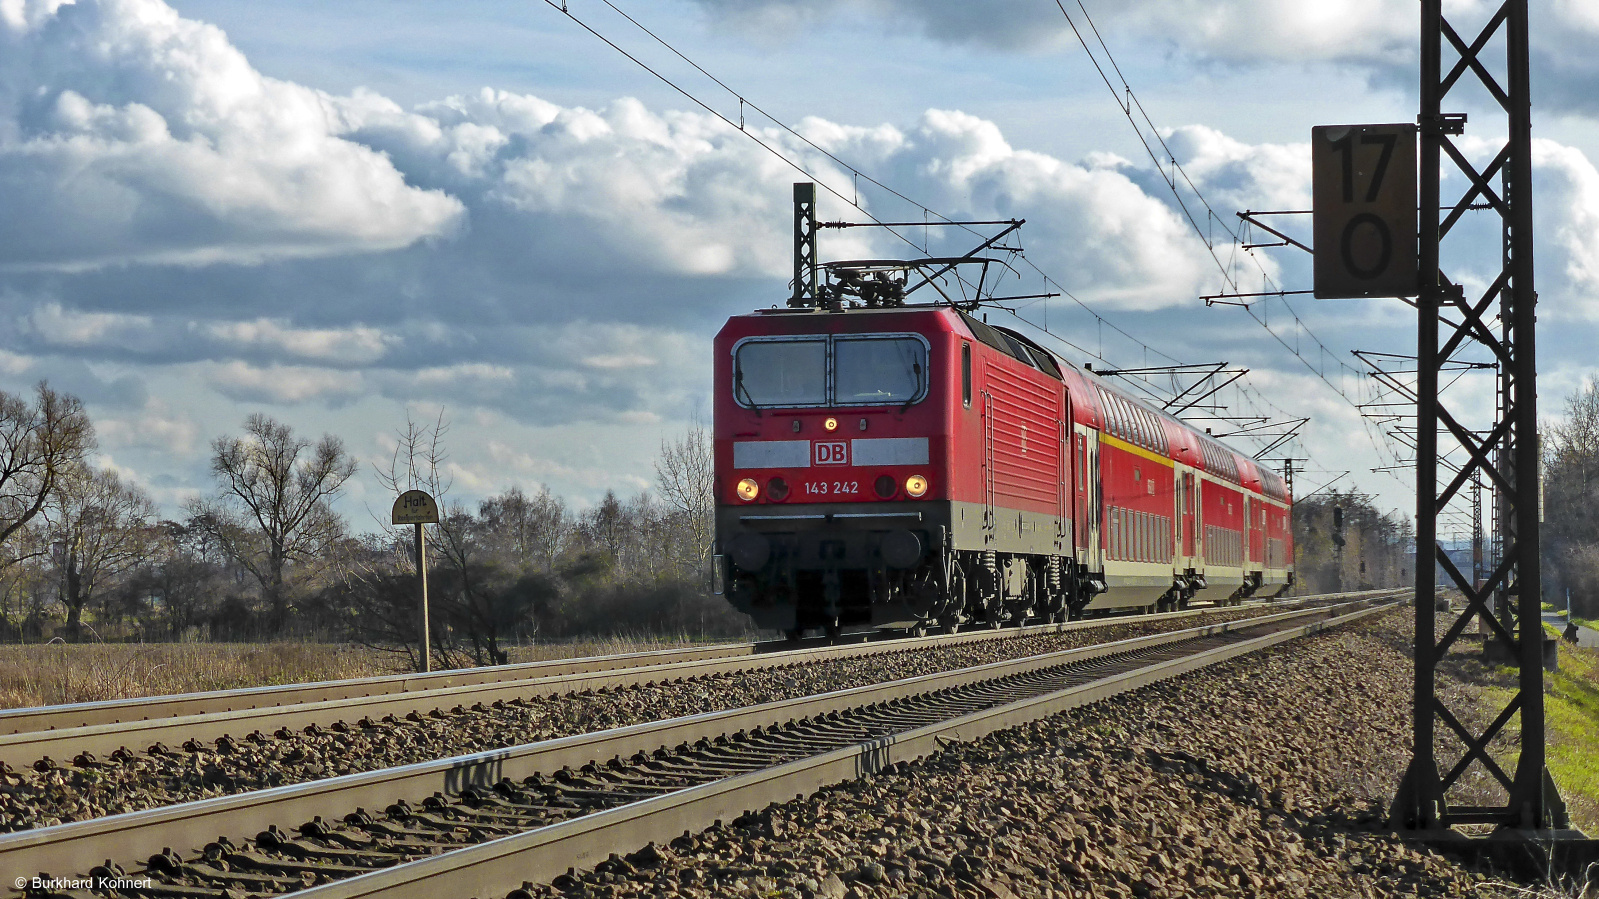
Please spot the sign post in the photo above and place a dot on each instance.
(1363, 185)
(416, 507)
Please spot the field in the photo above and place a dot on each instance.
(54, 673)
(1571, 716)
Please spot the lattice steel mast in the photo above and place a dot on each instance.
(1532, 801)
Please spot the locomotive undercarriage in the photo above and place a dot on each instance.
(831, 567)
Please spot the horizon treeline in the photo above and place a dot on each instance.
(85, 555)
(1343, 543)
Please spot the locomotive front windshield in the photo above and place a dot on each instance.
(781, 373)
(834, 371)
(878, 370)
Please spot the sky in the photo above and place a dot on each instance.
(345, 215)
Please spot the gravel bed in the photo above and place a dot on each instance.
(1266, 776)
(55, 792)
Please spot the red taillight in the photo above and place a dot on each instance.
(777, 489)
(886, 486)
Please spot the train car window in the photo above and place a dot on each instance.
(1106, 412)
(780, 373)
(966, 375)
(878, 370)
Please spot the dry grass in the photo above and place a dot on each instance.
(56, 673)
(606, 646)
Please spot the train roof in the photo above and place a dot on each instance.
(1215, 457)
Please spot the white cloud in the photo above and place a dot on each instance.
(1237, 176)
(355, 345)
(156, 426)
(1567, 217)
(131, 134)
(283, 383)
(470, 372)
(1094, 229)
(56, 326)
(13, 363)
(671, 190)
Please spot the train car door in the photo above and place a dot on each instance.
(1088, 488)
(1249, 531)
(1185, 513)
(1066, 527)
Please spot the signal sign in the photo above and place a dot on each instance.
(1363, 184)
(414, 507)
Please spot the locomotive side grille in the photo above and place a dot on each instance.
(1025, 422)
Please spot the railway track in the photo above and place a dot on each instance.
(484, 823)
(95, 730)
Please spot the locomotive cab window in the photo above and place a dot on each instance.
(875, 370)
(780, 373)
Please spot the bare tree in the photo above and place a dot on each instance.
(38, 444)
(1570, 541)
(686, 479)
(99, 529)
(274, 509)
(183, 573)
(527, 531)
(418, 460)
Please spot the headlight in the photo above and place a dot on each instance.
(916, 485)
(748, 490)
(777, 489)
(830, 424)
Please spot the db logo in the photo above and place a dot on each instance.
(830, 452)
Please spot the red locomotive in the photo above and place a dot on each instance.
(913, 466)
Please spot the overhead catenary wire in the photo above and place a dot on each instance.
(856, 173)
(1127, 101)
(1256, 400)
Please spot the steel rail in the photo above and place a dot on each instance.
(116, 711)
(26, 748)
(500, 866)
(138, 835)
